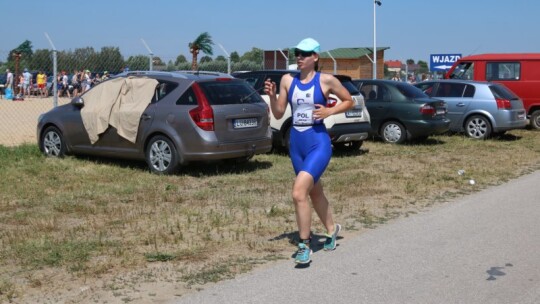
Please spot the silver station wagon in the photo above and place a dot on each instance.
(478, 108)
(167, 119)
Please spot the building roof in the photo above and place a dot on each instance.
(396, 64)
(349, 53)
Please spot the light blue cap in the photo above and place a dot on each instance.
(309, 45)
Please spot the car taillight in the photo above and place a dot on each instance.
(503, 104)
(427, 110)
(202, 115)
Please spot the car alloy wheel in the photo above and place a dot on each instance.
(161, 155)
(393, 132)
(52, 142)
(535, 119)
(478, 127)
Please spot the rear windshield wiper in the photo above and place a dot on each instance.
(243, 99)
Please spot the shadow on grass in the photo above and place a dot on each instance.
(421, 141)
(195, 169)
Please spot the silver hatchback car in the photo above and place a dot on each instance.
(480, 109)
(166, 118)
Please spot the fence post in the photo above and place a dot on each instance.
(55, 80)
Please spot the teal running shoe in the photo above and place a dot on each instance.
(303, 255)
(330, 242)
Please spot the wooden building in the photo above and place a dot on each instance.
(354, 62)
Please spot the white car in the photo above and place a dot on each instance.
(347, 130)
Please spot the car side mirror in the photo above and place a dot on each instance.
(78, 101)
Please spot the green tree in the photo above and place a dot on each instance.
(180, 59)
(205, 59)
(24, 51)
(422, 67)
(203, 43)
(221, 58)
(138, 62)
(255, 55)
(110, 59)
(235, 57)
(410, 61)
(42, 60)
(214, 66)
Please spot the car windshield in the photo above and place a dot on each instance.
(463, 70)
(353, 90)
(410, 91)
(230, 92)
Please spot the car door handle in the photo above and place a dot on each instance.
(461, 104)
(146, 117)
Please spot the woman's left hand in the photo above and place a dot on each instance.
(321, 112)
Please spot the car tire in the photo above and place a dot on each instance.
(478, 127)
(287, 139)
(535, 120)
(52, 142)
(161, 156)
(393, 132)
(348, 146)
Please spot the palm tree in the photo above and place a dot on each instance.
(202, 43)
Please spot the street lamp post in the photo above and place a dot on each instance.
(375, 4)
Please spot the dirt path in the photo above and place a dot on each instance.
(19, 119)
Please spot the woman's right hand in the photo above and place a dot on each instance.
(270, 88)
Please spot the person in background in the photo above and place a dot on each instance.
(310, 147)
(41, 80)
(27, 82)
(87, 80)
(396, 77)
(20, 86)
(96, 80)
(105, 76)
(65, 85)
(8, 87)
(75, 82)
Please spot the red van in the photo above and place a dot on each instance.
(520, 72)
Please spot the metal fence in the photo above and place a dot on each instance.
(69, 73)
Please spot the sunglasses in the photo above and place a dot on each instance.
(299, 53)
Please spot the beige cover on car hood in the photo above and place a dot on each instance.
(119, 102)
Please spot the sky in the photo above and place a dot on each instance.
(412, 29)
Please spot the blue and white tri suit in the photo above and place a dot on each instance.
(310, 146)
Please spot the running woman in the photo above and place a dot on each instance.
(310, 145)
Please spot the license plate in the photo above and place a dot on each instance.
(242, 123)
(441, 111)
(353, 113)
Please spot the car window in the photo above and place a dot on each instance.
(188, 98)
(502, 92)
(252, 81)
(427, 88)
(229, 92)
(163, 89)
(410, 91)
(374, 92)
(350, 87)
(450, 90)
(469, 91)
(503, 71)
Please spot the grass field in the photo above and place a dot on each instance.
(106, 231)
